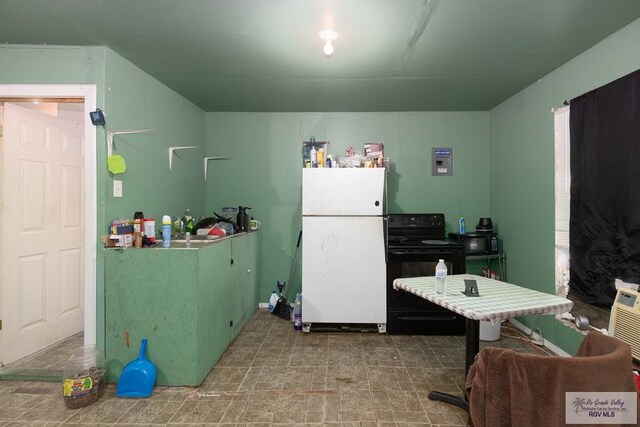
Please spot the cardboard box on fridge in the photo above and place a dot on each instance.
(374, 149)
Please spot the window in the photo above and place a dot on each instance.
(562, 169)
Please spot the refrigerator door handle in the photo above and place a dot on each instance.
(385, 232)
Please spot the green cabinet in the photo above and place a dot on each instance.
(243, 285)
(189, 304)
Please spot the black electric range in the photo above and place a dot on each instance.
(415, 244)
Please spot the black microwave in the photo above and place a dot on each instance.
(477, 243)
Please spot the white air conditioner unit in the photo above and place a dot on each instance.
(625, 319)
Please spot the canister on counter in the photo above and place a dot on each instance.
(149, 229)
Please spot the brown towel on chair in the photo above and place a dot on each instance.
(505, 388)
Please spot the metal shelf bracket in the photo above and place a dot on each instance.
(206, 161)
(174, 149)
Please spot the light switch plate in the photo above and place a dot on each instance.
(117, 188)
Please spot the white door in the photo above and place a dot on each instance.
(346, 191)
(343, 270)
(42, 231)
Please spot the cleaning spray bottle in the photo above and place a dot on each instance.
(166, 231)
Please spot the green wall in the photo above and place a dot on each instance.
(135, 100)
(265, 149)
(52, 64)
(132, 100)
(522, 170)
(266, 162)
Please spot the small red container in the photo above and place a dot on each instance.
(149, 229)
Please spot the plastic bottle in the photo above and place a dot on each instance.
(166, 231)
(297, 313)
(320, 157)
(137, 233)
(441, 277)
(187, 220)
(462, 226)
(314, 157)
(273, 300)
(178, 226)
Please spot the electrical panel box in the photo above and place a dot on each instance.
(441, 161)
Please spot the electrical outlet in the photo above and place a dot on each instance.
(117, 188)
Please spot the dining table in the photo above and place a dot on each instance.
(492, 301)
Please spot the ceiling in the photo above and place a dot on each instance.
(391, 55)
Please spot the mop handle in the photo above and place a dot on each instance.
(293, 264)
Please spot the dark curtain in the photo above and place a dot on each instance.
(605, 190)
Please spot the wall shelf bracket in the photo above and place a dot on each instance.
(174, 149)
(112, 133)
(206, 161)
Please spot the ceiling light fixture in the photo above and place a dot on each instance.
(327, 36)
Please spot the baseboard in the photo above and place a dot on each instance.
(548, 344)
(24, 374)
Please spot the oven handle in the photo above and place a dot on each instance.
(401, 252)
(420, 252)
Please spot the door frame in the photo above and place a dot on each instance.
(89, 94)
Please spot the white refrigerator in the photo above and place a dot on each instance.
(343, 246)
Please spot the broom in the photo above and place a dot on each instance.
(283, 307)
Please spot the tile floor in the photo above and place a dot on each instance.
(272, 375)
(47, 364)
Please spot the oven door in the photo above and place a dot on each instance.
(410, 314)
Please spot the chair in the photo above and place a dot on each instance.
(506, 388)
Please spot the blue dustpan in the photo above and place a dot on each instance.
(138, 377)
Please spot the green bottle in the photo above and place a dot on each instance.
(187, 220)
(176, 226)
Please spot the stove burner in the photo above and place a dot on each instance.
(435, 242)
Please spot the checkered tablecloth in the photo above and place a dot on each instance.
(497, 301)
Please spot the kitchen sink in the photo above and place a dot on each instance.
(195, 239)
(181, 243)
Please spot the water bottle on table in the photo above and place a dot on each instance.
(441, 276)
